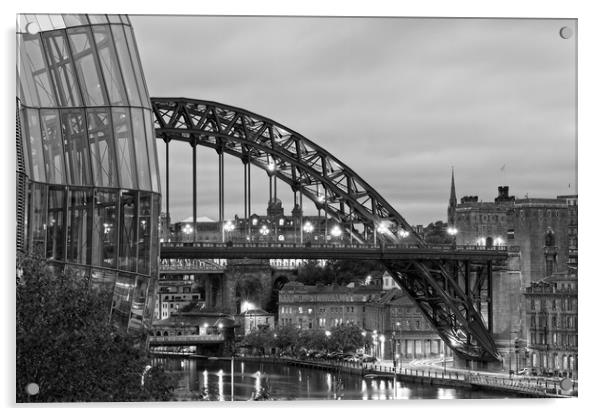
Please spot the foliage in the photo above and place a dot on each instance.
(346, 338)
(259, 339)
(66, 344)
(340, 272)
(436, 233)
(286, 337)
(313, 339)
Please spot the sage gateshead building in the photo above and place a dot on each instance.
(88, 190)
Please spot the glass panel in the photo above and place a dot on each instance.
(34, 151)
(61, 68)
(44, 22)
(86, 64)
(137, 68)
(126, 65)
(110, 65)
(79, 226)
(104, 281)
(76, 147)
(124, 19)
(124, 145)
(53, 147)
(122, 300)
(144, 233)
(127, 234)
(104, 232)
(152, 151)
(114, 18)
(75, 19)
(102, 151)
(138, 301)
(144, 180)
(55, 239)
(37, 219)
(33, 73)
(97, 18)
(57, 21)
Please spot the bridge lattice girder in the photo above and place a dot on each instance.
(299, 162)
(306, 167)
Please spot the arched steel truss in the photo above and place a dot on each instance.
(292, 158)
(335, 188)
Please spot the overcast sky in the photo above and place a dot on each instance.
(400, 101)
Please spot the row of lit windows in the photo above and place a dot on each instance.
(557, 339)
(555, 321)
(563, 304)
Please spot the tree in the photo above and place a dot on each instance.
(436, 233)
(312, 339)
(346, 337)
(286, 337)
(259, 339)
(68, 347)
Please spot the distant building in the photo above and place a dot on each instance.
(406, 332)
(393, 324)
(552, 328)
(388, 282)
(176, 292)
(210, 333)
(545, 229)
(254, 319)
(275, 226)
(320, 306)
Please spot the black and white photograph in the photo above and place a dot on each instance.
(295, 208)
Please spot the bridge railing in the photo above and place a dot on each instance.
(229, 244)
(155, 339)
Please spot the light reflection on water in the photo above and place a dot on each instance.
(294, 383)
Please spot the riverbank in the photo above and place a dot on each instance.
(422, 377)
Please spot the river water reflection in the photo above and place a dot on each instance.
(211, 380)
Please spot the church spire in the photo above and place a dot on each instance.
(452, 194)
(453, 202)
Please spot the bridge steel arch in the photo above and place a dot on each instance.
(307, 167)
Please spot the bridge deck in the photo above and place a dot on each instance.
(329, 251)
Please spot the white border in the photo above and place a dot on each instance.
(590, 116)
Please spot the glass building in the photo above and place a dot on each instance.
(88, 191)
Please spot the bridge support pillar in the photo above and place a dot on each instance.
(246, 280)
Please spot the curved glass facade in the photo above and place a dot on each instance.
(88, 180)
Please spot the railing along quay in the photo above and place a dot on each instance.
(527, 387)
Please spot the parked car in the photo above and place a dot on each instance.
(524, 372)
(369, 359)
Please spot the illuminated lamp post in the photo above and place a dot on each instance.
(264, 230)
(308, 228)
(187, 230)
(336, 231)
(228, 228)
(453, 231)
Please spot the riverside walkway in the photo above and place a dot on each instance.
(527, 387)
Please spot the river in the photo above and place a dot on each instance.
(210, 379)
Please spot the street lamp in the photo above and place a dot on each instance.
(403, 233)
(308, 228)
(229, 227)
(188, 230)
(264, 230)
(336, 231)
(453, 231)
